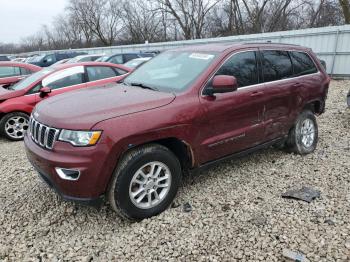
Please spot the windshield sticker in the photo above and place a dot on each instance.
(201, 56)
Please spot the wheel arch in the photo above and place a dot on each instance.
(315, 106)
(180, 148)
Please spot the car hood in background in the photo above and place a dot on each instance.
(84, 108)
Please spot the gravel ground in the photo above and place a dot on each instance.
(237, 209)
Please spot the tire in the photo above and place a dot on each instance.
(128, 180)
(303, 137)
(14, 125)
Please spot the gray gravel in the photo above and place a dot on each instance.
(237, 209)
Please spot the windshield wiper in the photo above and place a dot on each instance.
(144, 86)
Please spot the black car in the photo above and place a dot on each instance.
(4, 58)
(49, 59)
(348, 99)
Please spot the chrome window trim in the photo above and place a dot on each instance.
(257, 49)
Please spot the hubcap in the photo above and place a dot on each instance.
(16, 126)
(307, 133)
(150, 185)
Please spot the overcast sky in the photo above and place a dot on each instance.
(21, 18)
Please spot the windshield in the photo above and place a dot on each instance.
(172, 71)
(23, 84)
(37, 58)
(102, 59)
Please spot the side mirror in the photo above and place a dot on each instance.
(44, 91)
(222, 84)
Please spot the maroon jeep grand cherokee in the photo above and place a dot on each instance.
(184, 109)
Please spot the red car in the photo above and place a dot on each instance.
(18, 101)
(12, 72)
(184, 109)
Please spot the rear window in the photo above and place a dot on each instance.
(276, 65)
(302, 63)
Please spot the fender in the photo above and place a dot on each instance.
(15, 107)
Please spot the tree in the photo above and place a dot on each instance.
(190, 14)
(345, 4)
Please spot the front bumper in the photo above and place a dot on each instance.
(90, 161)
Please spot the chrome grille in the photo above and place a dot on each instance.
(42, 135)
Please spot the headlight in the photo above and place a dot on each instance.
(80, 138)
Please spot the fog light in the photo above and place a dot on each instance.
(68, 174)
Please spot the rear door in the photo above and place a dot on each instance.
(279, 89)
(65, 80)
(235, 118)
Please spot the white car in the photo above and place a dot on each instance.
(84, 58)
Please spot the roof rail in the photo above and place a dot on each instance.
(268, 42)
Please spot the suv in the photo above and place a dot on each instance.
(49, 59)
(184, 109)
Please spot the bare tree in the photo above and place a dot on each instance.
(345, 5)
(141, 24)
(190, 14)
(101, 16)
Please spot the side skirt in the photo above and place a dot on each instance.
(238, 154)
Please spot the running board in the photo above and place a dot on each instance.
(238, 154)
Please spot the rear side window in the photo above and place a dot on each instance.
(8, 71)
(25, 71)
(129, 57)
(100, 72)
(302, 63)
(243, 66)
(118, 59)
(276, 65)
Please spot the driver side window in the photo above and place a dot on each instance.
(243, 66)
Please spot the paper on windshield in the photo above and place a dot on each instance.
(201, 56)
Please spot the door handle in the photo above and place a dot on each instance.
(257, 93)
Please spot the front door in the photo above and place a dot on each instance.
(235, 118)
(66, 80)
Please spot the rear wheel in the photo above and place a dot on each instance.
(14, 125)
(145, 182)
(303, 137)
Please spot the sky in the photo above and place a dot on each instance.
(21, 18)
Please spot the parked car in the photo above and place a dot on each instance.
(84, 58)
(63, 61)
(122, 58)
(17, 102)
(19, 59)
(12, 72)
(137, 62)
(184, 109)
(348, 99)
(49, 59)
(4, 58)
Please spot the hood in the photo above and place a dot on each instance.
(7, 94)
(84, 108)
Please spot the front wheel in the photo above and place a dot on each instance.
(145, 182)
(303, 137)
(14, 125)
